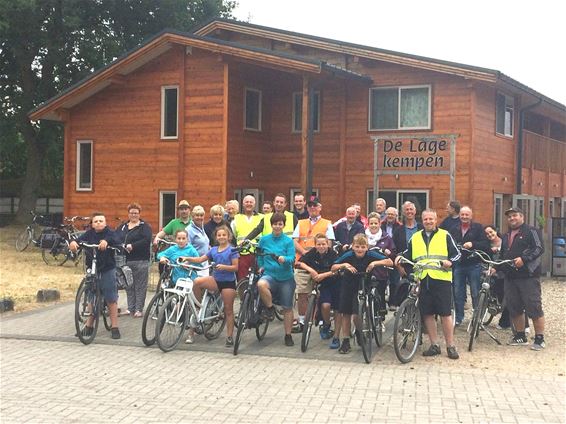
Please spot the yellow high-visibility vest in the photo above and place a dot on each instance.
(437, 250)
(243, 226)
(287, 229)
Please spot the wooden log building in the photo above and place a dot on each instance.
(236, 108)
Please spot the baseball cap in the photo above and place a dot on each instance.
(514, 210)
(184, 203)
(313, 201)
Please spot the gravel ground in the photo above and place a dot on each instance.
(22, 274)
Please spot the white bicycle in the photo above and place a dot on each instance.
(182, 311)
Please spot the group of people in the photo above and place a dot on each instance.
(302, 249)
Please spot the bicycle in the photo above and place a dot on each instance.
(251, 305)
(179, 312)
(369, 314)
(151, 314)
(407, 327)
(487, 301)
(89, 305)
(55, 243)
(310, 316)
(27, 236)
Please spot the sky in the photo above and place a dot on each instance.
(524, 40)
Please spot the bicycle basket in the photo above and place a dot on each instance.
(124, 277)
(47, 239)
(120, 260)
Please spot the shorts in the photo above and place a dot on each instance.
(282, 291)
(304, 281)
(348, 302)
(523, 294)
(435, 298)
(223, 285)
(330, 293)
(107, 284)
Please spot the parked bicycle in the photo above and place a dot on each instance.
(28, 235)
(182, 311)
(89, 302)
(487, 303)
(55, 242)
(407, 327)
(251, 305)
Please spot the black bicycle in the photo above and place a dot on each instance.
(310, 316)
(487, 303)
(89, 302)
(370, 309)
(251, 306)
(55, 243)
(407, 327)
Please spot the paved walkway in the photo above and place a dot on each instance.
(48, 376)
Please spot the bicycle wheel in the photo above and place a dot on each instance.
(87, 307)
(171, 323)
(307, 327)
(261, 327)
(477, 319)
(214, 318)
(407, 330)
(365, 331)
(56, 255)
(105, 312)
(23, 240)
(242, 319)
(150, 318)
(376, 319)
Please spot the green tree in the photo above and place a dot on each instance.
(47, 45)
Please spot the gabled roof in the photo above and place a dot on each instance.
(162, 42)
(454, 68)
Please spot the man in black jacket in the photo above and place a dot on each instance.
(470, 235)
(523, 244)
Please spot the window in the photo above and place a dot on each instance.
(298, 111)
(504, 115)
(397, 108)
(167, 207)
(252, 110)
(84, 165)
(169, 111)
(390, 198)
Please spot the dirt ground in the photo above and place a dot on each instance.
(22, 274)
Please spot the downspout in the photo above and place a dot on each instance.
(519, 179)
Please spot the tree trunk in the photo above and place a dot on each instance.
(28, 193)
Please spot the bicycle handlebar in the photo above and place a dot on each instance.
(95, 246)
(182, 264)
(419, 265)
(484, 257)
(160, 240)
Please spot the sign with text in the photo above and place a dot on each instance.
(395, 154)
(412, 155)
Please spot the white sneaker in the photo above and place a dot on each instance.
(190, 339)
(383, 327)
(527, 330)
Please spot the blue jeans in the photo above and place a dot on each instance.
(465, 274)
(282, 291)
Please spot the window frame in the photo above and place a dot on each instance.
(399, 89)
(294, 112)
(164, 88)
(161, 214)
(506, 97)
(259, 112)
(79, 165)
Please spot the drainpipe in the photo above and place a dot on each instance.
(519, 179)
